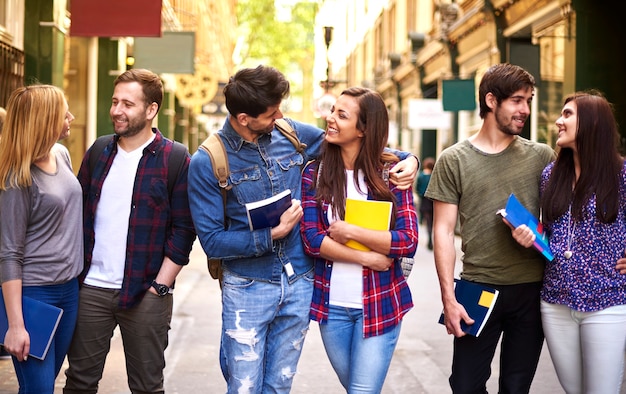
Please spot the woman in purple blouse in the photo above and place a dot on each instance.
(583, 205)
(359, 297)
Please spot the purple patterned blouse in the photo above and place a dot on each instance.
(588, 280)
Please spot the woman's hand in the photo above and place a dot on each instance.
(17, 342)
(403, 174)
(621, 265)
(340, 231)
(376, 261)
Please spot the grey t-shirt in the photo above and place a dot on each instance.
(480, 184)
(41, 237)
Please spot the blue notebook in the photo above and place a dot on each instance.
(41, 321)
(266, 213)
(516, 214)
(478, 301)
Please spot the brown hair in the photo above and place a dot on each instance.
(597, 140)
(502, 80)
(151, 84)
(373, 121)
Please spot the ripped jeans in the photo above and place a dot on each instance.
(263, 330)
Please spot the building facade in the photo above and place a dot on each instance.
(38, 45)
(412, 50)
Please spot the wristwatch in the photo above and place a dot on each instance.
(160, 289)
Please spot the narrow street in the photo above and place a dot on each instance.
(421, 362)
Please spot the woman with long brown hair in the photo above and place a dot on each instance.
(359, 296)
(583, 204)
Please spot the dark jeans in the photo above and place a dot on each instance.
(143, 329)
(517, 318)
(38, 376)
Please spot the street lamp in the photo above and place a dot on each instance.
(328, 37)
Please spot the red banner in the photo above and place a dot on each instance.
(116, 18)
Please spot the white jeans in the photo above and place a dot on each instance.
(587, 348)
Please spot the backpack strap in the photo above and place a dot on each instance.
(284, 127)
(96, 150)
(214, 146)
(174, 164)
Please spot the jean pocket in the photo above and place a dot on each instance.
(234, 281)
(309, 276)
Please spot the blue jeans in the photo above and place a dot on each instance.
(360, 363)
(38, 376)
(263, 330)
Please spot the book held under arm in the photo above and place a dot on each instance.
(516, 215)
(41, 321)
(266, 213)
(370, 214)
(478, 301)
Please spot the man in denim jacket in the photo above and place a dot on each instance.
(267, 278)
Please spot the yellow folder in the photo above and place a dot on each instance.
(370, 214)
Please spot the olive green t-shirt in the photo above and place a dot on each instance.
(480, 184)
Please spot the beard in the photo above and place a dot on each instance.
(266, 130)
(507, 127)
(133, 128)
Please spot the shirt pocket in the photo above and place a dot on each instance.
(246, 184)
(158, 197)
(291, 160)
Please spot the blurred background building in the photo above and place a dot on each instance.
(83, 45)
(426, 57)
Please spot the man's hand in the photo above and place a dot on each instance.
(523, 235)
(288, 220)
(453, 313)
(404, 173)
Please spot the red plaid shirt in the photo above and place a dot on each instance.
(158, 225)
(386, 295)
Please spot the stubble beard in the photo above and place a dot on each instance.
(507, 129)
(267, 130)
(132, 130)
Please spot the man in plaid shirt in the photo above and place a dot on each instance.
(138, 236)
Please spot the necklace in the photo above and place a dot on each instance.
(571, 226)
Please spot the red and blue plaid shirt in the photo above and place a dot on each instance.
(386, 295)
(158, 225)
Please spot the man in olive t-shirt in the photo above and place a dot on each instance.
(471, 181)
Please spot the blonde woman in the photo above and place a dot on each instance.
(41, 244)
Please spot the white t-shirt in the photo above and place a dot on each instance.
(346, 281)
(111, 223)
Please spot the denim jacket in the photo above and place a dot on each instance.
(257, 171)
